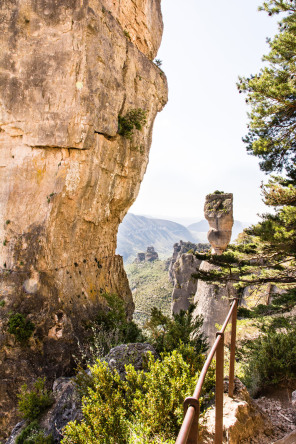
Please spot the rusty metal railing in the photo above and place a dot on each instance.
(189, 431)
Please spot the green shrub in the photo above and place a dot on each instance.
(34, 402)
(20, 327)
(243, 312)
(32, 434)
(271, 358)
(109, 328)
(148, 403)
(134, 119)
(166, 334)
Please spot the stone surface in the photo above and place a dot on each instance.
(213, 303)
(179, 248)
(184, 284)
(218, 211)
(126, 354)
(150, 256)
(67, 70)
(242, 418)
(212, 300)
(288, 439)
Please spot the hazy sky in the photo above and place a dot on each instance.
(197, 146)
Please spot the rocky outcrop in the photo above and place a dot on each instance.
(179, 248)
(242, 418)
(184, 284)
(125, 354)
(218, 211)
(212, 301)
(181, 267)
(67, 71)
(150, 256)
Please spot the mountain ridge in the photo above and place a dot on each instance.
(137, 232)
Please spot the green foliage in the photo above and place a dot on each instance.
(113, 319)
(127, 34)
(271, 358)
(218, 192)
(34, 402)
(20, 327)
(272, 96)
(158, 62)
(153, 289)
(134, 119)
(147, 403)
(2, 303)
(166, 334)
(281, 303)
(32, 434)
(109, 328)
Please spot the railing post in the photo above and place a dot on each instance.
(193, 434)
(232, 349)
(219, 389)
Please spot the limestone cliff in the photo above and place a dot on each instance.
(67, 71)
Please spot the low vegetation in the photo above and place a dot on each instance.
(33, 434)
(147, 404)
(133, 120)
(32, 403)
(151, 288)
(109, 328)
(20, 327)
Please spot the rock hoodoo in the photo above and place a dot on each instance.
(68, 71)
(213, 301)
(218, 211)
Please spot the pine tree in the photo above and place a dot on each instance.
(266, 252)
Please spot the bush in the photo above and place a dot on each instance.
(134, 119)
(34, 402)
(109, 329)
(32, 434)
(270, 359)
(20, 327)
(166, 334)
(148, 403)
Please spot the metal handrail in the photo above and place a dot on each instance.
(189, 431)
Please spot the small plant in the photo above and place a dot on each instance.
(218, 192)
(166, 333)
(34, 402)
(5, 242)
(7, 222)
(158, 62)
(134, 119)
(270, 359)
(2, 303)
(20, 327)
(33, 434)
(127, 35)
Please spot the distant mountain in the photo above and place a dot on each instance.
(136, 233)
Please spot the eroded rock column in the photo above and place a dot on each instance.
(212, 300)
(67, 71)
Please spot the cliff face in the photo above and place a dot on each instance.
(67, 71)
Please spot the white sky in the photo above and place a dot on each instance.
(197, 146)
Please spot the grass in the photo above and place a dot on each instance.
(151, 287)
